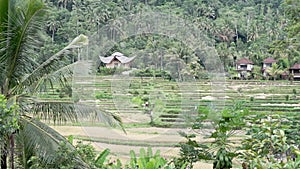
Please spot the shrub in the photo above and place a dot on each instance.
(270, 144)
(147, 160)
(104, 95)
(107, 71)
(152, 73)
(145, 99)
(135, 92)
(9, 119)
(287, 97)
(137, 100)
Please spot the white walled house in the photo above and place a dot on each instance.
(266, 64)
(243, 67)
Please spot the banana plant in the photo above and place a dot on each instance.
(147, 160)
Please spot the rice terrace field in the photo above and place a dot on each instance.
(154, 110)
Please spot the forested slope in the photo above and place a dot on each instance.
(256, 29)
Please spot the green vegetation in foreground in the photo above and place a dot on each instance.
(269, 140)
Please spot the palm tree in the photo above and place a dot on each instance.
(22, 75)
(53, 25)
(274, 71)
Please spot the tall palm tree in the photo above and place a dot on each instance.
(22, 75)
(53, 25)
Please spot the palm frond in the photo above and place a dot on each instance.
(54, 69)
(36, 138)
(59, 77)
(63, 111)
(21, 40)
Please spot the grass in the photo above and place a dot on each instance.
(184, 96)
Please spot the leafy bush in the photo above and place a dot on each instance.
(287, 97)
(152, 73)
(8, 119)
(145, 99)
(137, 100)
(103, 95)
(110, 71)
(270, 144)
(135, 92)
(146, 160)
(221, 151)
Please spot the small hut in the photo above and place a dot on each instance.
(295, 71)
(243, 67)
(267, 63)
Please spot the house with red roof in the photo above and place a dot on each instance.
(244, 66)
(117, 59)
(267, 63)
(295, 71)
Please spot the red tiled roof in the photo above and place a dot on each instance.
(244, 61)
(296, 66)
(269, 60)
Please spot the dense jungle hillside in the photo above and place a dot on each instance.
(256, 29)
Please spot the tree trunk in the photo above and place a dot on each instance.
(3, 160)
(12, 151)
(4, 156)
(53, 36)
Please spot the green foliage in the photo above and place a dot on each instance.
(27, 69)
(255, 29)
(268, 144)
(137, 100)
(274, 71)
(223, 159)
(146, 160)
(287, 97)
(152, 73)
(135, 92)
(102, 158)
(87, 153)
(68, 159)
(107, 71)
(66, 91)
(221, 150)
(191, 152)
(110, 71)
(9, 118)
(103, 95)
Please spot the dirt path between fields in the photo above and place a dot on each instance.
(151, 135)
